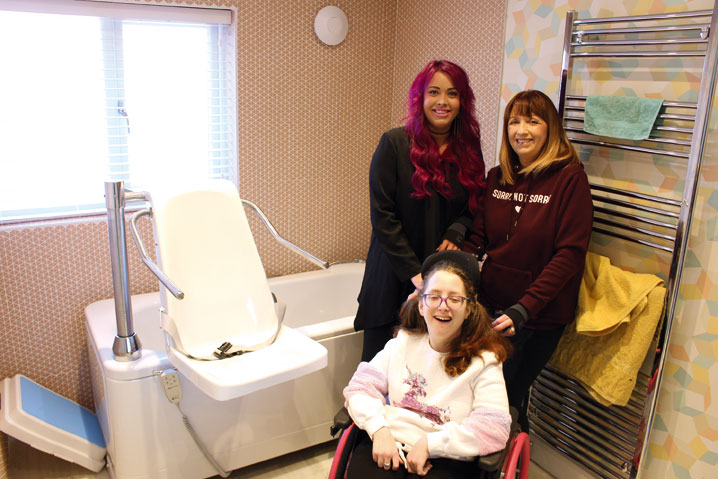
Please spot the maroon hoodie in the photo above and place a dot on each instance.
(535, 235)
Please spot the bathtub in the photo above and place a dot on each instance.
(144, 432)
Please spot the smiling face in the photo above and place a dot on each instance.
(442, 322)
(527, 136)
(441, 103)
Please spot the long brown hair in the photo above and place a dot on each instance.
(557, 147)
(476, 335)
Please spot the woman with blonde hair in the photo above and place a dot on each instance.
(534, 227)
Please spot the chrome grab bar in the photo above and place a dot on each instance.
(126, 346)
(272, 231)
(171, 287)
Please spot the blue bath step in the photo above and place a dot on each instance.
(51, 423)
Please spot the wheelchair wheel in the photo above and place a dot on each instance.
(343, 452)
(518, 458)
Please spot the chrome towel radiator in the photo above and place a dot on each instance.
(610, 441)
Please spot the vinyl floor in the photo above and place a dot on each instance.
(26, 462)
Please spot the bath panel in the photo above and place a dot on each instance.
(144, 431)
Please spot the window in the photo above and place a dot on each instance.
(106, 92)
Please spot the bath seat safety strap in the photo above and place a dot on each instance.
(226, 349)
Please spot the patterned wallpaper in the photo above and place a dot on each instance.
(306, 132)
(469, 34)
(684, 440)
(309, 118)
(309, 115)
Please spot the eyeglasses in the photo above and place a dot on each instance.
(452, 302)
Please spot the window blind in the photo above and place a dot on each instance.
(87, 99)
(110, 9)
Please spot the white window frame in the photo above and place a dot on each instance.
(126, 11)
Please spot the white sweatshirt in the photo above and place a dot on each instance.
(463, 416)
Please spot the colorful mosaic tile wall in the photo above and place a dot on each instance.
(684, 440)
(310, 117)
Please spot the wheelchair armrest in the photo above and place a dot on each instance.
(342, 420)
(491, 462)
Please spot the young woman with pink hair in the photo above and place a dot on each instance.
(426, 179)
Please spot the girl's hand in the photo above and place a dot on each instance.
(417, 461)
(446, 244)
(504, 325)
(384, 451)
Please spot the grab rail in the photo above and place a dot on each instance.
(288, 244)
(126, 346)
(176, 292)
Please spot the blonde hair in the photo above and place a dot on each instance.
(557, 147)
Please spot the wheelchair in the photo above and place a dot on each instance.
(512, 462)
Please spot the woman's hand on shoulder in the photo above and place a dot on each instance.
(384, 450)
(447, 245)
(418, 283)
(417, 461)
(504, 325)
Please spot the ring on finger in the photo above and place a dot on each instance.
(387, 465)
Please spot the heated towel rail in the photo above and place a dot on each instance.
(609, 441)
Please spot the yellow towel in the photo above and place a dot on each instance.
(610, 296)
(607, 365)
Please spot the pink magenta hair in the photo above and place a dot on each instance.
(464, 140)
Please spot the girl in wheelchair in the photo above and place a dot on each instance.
(434, 398)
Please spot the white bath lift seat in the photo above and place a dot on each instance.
(225, 335)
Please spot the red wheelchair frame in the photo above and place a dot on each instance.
(512, 462)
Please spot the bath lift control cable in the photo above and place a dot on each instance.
(173, 391)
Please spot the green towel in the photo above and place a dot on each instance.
(627, 117)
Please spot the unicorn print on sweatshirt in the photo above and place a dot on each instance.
(417, 389)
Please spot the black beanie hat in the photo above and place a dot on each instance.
(466, 262)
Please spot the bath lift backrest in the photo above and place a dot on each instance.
(225, 334)
(205, 245)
